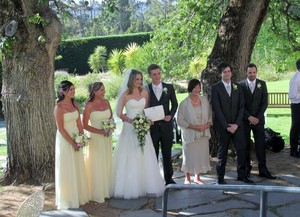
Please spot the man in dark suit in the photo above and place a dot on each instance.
(228, 107)
(256, 102)
(162, 131)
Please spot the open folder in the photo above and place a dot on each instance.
(155, 113)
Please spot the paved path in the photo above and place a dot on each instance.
(207, 203)
(211, 203)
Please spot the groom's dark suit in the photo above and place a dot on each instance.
(228, 110)
(162, 131)
(256, 104)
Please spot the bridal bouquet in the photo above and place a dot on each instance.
(141, 126)
(109, 126)
(81, 140)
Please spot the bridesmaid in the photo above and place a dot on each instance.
(99, 151)
(70, 177)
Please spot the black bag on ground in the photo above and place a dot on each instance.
(274, 141)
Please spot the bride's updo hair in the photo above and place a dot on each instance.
(94, 87)
(64, 86)
(132, 78)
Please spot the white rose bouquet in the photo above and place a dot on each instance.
(81, 140)
(109, 126)
(141, 126)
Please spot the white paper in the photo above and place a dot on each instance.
(155, 113)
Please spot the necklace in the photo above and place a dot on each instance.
(195, 103)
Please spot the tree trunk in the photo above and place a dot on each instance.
(28, 92)
(236, 37)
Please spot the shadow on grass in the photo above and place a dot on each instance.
(278, 115)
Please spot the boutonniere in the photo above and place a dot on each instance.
(258, 85)
(165, 90)
(234, 86)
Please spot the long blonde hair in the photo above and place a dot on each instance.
(132, 78)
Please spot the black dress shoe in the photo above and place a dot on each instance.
(245, 179)
(248, 171)
(170, 182)
(221, 182)
(267, 175)
(295, 154)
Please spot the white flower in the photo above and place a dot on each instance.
(78, 138)
(81, 140)
(258, 85)
(109, 126)
(141, 126)
(234, 87)
(165, 90)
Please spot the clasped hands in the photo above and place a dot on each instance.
(253, 120)
(232, 128)
(202, 127)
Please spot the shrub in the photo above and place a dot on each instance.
(86, 80)
(97, 60)
(129, 53)
(60, 76)
(81, 95)
(112, 87)
(179, 88)
(116, 61)
(75, 52)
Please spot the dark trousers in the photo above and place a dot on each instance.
(295, 126)
(238, 139)
(260, 145)
(163, 138)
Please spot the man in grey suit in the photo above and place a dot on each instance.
(256, 102)
(228, 108)
(161, 131)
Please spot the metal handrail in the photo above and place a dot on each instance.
(264, 190)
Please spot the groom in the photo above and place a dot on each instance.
(162, 131)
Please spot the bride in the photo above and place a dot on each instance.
(135, 173)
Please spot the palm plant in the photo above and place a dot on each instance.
(97, 60)
(129, 53)
(116, 61)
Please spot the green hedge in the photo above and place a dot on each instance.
(75, 52)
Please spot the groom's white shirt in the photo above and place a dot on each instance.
(157, 89)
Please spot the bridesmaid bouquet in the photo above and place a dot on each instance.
(109, 126)
(141, 126)
(81, 140)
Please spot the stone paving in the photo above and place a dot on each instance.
(210, 203)
(207, 203)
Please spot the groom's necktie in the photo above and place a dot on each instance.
(157, 92)
(228, 89)
(252, 86)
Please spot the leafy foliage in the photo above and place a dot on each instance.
(196, 66)
(97, 60)
(116, 61)
(277, 46)
(6, 45)
(186, 34)
(37, 19)
(129, 52)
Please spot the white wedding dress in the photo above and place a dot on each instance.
(135, 174)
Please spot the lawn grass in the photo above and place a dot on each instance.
(278, 86)
(3, 145)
